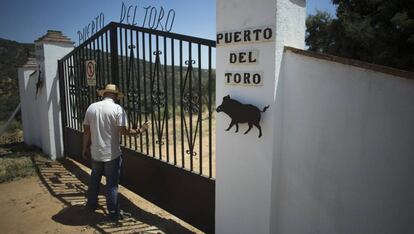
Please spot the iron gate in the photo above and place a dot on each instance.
(169, 80)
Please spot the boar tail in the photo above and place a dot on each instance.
(265, 108)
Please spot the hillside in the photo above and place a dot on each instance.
(12, 55)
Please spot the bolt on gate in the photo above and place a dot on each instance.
(169, 80)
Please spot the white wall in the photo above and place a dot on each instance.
(27, 90)
(41, 114)
(244, 162)
(290, 28)
(345, 156)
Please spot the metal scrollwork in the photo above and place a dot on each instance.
(99, 98)
(191, 104)
(73, 93)
(159, 112)
(84, 91)
(132, 102)
(133, 96)
(190, 62)
(191, 152)
(132, 92)
(159, 142)
(158, 98)
(72, 90)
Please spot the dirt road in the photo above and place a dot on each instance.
(51, 202)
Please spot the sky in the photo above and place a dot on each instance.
(27, 20)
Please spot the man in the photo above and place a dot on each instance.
(104, 122)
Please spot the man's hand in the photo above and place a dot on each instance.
(144, 127)
(86, 144)
(86, 152)
(133, 132)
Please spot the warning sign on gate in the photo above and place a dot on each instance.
(90, 72)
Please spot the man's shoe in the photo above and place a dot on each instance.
(116, 217)
(124, 214)
(90, 207)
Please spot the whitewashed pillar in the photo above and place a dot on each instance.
(26, 75)
(49, 49)
(251, 36)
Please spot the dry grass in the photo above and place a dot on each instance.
(14, 168)
(15, 158)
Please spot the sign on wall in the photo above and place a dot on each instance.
(245, 54)
(90, 68)
(243, 57)
(244, 78)
(246, 36)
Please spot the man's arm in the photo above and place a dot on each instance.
(86, 141)
(133, 132)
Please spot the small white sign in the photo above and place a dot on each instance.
(90, 66)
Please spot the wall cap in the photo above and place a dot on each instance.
(55, 36)
(30, 64)
(353, 62)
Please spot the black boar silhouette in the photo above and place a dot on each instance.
(241, 113)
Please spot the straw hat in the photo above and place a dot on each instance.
(111, 88)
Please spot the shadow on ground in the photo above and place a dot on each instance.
(76, 215)
(68, 183)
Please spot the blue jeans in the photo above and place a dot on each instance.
(111, 170)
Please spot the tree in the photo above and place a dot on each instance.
(375, 31)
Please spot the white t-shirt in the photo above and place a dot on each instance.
(104, 118)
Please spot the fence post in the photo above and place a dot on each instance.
(62, 102)
(114, 54)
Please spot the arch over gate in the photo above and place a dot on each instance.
(169, 80)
